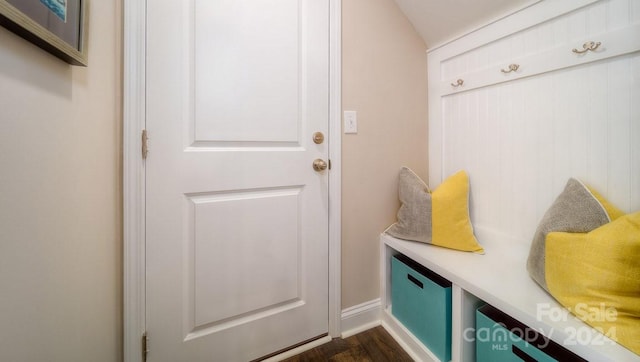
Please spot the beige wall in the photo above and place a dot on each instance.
(384, 79)
(60, 198)
(60, 183)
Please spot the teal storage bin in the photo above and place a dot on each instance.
(421, 301)
(500, 338)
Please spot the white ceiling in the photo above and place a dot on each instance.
(439, 21)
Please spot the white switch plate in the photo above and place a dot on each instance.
(350, 122)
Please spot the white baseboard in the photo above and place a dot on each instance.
(365, 316)
(354, 320)
(361, 317)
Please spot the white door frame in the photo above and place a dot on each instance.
(134, 116)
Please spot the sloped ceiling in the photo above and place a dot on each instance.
(439, 21)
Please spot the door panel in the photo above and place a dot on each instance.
(237, 219)
(240, 46)
(267, 241)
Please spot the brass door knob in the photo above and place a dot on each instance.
(318, 138)
(319, 165)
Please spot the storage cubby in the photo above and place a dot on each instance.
(422, 303)
(502, 338)
(498, 278)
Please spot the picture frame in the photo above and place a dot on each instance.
(57, 26)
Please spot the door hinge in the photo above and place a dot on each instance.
(145, 147)
(145, 346)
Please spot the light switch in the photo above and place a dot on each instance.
(350, 122)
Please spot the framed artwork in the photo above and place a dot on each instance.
(57, 26)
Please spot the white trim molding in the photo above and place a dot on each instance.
(361, 317)
(133, 179)
(134, 96)
(335, 176)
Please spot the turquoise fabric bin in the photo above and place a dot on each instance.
(421, 301)
(500, 338)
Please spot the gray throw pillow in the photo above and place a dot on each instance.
(414, 215)
(576, 210)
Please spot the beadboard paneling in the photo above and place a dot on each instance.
(522, 139)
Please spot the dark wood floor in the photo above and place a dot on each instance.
(373, 345)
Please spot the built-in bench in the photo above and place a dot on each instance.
(500, 279)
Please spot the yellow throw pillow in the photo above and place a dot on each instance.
(414, 215)
(596, 276)
(575, 210)
(610, 208)
(451, 225)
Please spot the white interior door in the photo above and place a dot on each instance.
(237, 218)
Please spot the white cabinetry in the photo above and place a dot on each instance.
(498, 278)
(521, 135)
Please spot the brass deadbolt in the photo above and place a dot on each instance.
(318, 138)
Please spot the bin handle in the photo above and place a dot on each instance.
(415, 281)
(522, 354)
